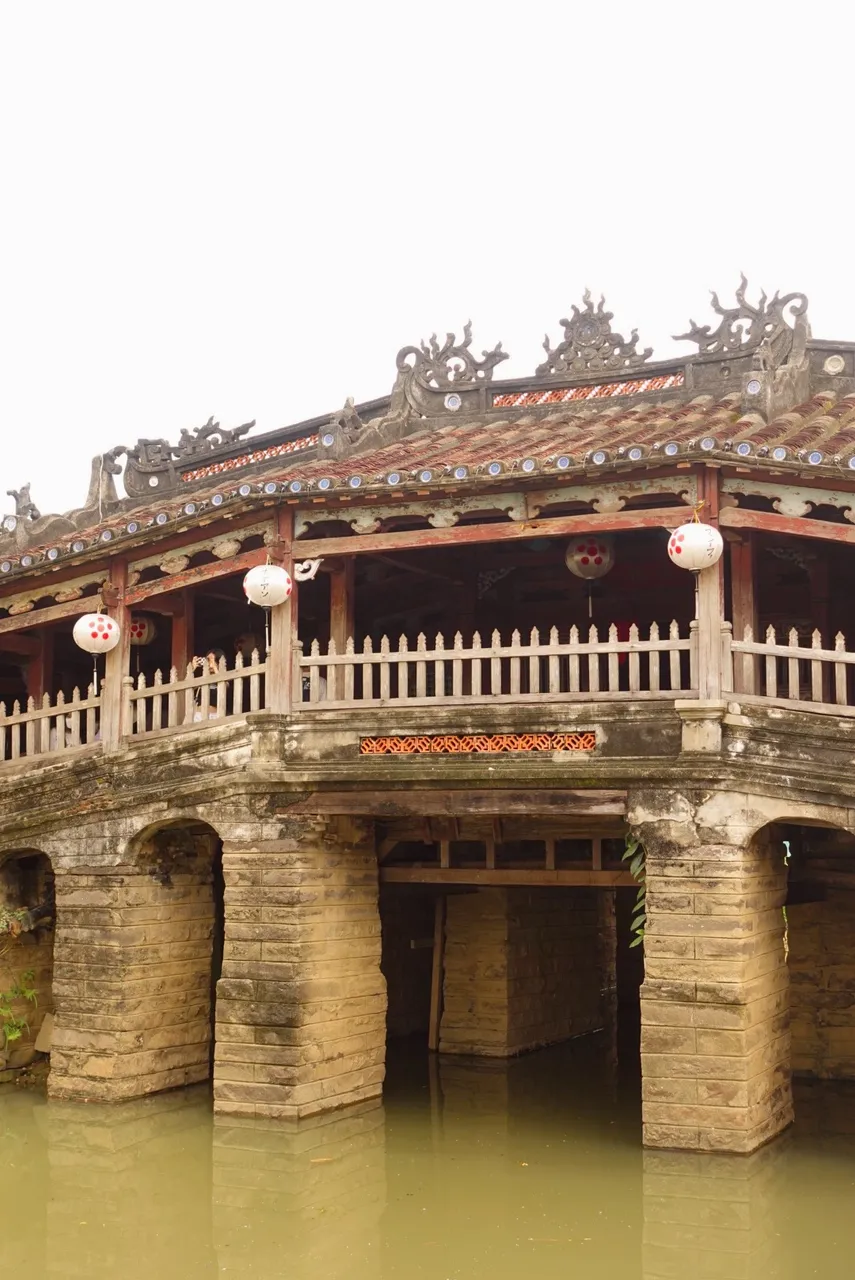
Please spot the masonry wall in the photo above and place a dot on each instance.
(301, 1005)
(821, 939)
(525, 968)
(407, 918)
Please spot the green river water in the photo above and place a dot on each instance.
(467, 1170)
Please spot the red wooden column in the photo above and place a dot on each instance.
(280, 692)
(743, 576)
(183, 637)
(118, 662)
(342, 601)
(40, 667)
(710, 598)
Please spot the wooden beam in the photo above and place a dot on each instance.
(40, 666)
(437, 974)
(473, 534)
(183, 637)
(792, 526)
(16, 642)
(117, 664)
(280, 683)
(392, 803)
(539, 876)
(53, 612)
(192, 577)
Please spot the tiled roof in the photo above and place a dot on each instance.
(573, 438)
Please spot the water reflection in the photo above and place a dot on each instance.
(469, 1169)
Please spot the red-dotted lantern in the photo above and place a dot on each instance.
(695, 546)
(142, 630)
(590, 557)
(96, 633)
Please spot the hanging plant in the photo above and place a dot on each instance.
(635, 856)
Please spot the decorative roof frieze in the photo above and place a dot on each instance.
(763, 328)
(590, 345)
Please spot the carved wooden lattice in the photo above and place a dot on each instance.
(449, 744)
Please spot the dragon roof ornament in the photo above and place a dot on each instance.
(590, 345)
(746, 328)
(432, 378)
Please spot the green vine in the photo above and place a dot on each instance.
(12, 1024)
(634, 855)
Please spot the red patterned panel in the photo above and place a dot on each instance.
(596, 391)
(244, 460)
(450, 744)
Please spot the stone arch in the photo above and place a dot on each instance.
(819, 933)
(179, 861)
(27, 919)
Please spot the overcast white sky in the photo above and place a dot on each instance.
(245, 209)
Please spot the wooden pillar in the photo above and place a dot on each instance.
(40, 668)
(342, 602)
(743, 558)
(280, 693)
(710, 598)
(118, 660)
(183, 633)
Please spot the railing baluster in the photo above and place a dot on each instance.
(514, 664)
(30, 732)
(593, 661)
(255, 684)
(222, 690)
(348, 670)
(749, 664)
(534, 662)
(495, 666)
(16, 732)
(137, 719)
(613, 660)
(172, 700)
(476, 665)
(367, 670)
(675, 679)
(157, 699)
(693, 655)
(573, 663)
(91, 716)
(315, 673)
(840, 681)
(332, 673)
(771, 667)
(653, 658)
(237, 692)
(74, 719)
(439, 668)
(3, 731)
(457, 668)
(44, 725)
(189, 697)
(634, 662)
(793, 666)
(421, 667)
(385, 671)
(816, 669)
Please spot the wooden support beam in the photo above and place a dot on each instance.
(473, 534)
(437, 974)
(445, 853)
(550, 854)
(192, 577)
(490, 853)
(537, 877)
(792, 526)
(597, 853)
(53, 612)
(401, 804)
(26, 646)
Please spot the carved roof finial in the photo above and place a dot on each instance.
(432, 373)
(745, 328)
(590, 345)
(25, 508)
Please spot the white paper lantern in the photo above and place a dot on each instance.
(96, 633)
(267, 585)
(695, 546)
(143, 630)
(590, 557)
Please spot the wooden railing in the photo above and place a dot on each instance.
(197, 699)
(787, 673)
(52, 728)
(513, 670)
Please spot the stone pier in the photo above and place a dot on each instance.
(301, 1005)
(715, 1037)
(525, 968)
